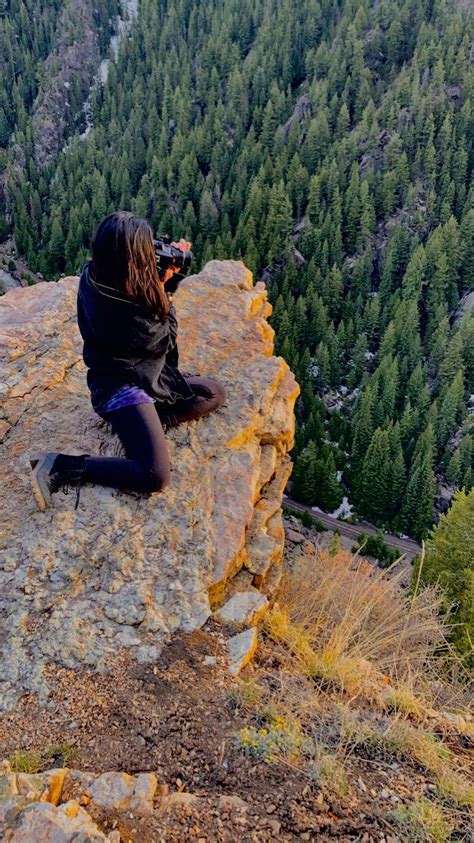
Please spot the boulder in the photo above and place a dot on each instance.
(179, 800)
(231, 802)
(120, 792)
(46, 787)
(42, 822)
(294, 536)
(124, 571)
(241, 649)
(243, 607)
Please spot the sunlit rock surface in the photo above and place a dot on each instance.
(126, 570)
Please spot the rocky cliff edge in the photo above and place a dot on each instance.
(125, 571)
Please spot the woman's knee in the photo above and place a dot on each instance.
(157, 480)
(219, 393)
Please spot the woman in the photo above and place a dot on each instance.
(128, 324)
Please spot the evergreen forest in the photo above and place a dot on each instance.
(329, 144)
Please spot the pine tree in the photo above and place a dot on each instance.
(279, 220)
(327, 489)
(451, 410)
(417, 511)
(56, 249)
(449, 564)
(397, 477)
(304, 474)
(375, 484)
(467, 250)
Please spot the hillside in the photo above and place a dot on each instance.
(170, 670)
(331, 147)
(337, 732)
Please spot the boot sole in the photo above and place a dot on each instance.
(42, 464)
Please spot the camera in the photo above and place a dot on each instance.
(167, 257)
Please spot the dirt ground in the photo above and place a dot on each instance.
(178, 718)
(181, 719)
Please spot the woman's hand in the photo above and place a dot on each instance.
(183, 246)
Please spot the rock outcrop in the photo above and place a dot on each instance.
(73, 61)
(125, 571)
(47, 807)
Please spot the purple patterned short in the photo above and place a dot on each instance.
(126, 396)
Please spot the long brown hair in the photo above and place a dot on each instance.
(123, 257)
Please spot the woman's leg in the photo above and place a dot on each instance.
(146, 466)
(209, 395)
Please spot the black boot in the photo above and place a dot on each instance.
(53, 471)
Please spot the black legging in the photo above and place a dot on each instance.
(146, 465)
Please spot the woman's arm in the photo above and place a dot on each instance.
(172, 354)
(148, 337)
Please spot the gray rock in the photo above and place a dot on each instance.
(244, 607)
(120, 571)
(294, 536)
(241, 649)
(232, 802)
(179, 800)
(122, 792)
(42, 822)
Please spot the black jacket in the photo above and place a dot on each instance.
(124, 343)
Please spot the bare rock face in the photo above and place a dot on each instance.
(124, 571)
(43, 823)
(74, 59)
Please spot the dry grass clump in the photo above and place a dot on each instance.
(406, 741)
(26, 762)
(347, 625)
(423, 822)
(341, 608)
(403, 700)
(331, 665)
(402, 741)
(58, 755)
(454, 787)
(353, 664)
(332, 774)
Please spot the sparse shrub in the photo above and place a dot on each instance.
(280, 739)
(33, 761)
(319, 526)
(423, 822)
(11, 265)
(246, 694)
(335, 544)
(449, 563)
(332, 774)
(26, 762)
(307, 519)
(62, 754)
(377, 547)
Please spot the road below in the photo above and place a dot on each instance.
(408, 547)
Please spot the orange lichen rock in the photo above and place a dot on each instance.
(121, 571)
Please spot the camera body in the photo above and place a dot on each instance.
(167, 257)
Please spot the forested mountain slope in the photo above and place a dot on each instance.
(329, 145)
(49, 52)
